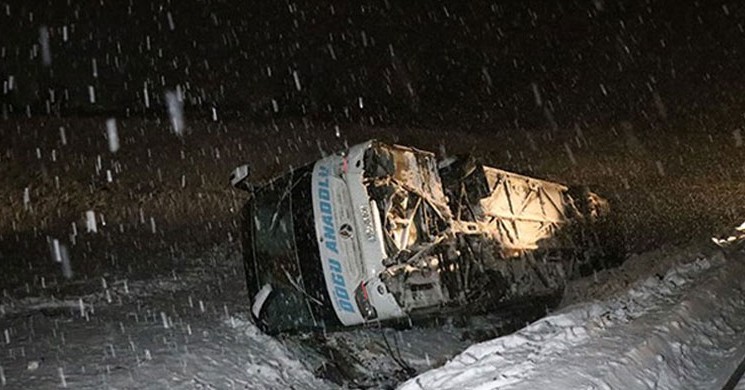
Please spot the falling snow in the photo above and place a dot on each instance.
(120, 237)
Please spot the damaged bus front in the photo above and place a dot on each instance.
(382, 232)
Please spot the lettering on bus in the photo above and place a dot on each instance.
(339, 291)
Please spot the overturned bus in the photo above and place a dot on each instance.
(382, 232)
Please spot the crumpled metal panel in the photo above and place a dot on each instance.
(404, 182)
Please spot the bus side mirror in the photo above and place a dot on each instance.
(239, 177)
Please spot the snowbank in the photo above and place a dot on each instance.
(681, 330)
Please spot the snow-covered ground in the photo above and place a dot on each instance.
(683, 328)
(670, 319)
(182, 331)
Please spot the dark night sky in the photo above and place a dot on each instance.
(478, 62)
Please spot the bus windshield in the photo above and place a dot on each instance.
(285, 255)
